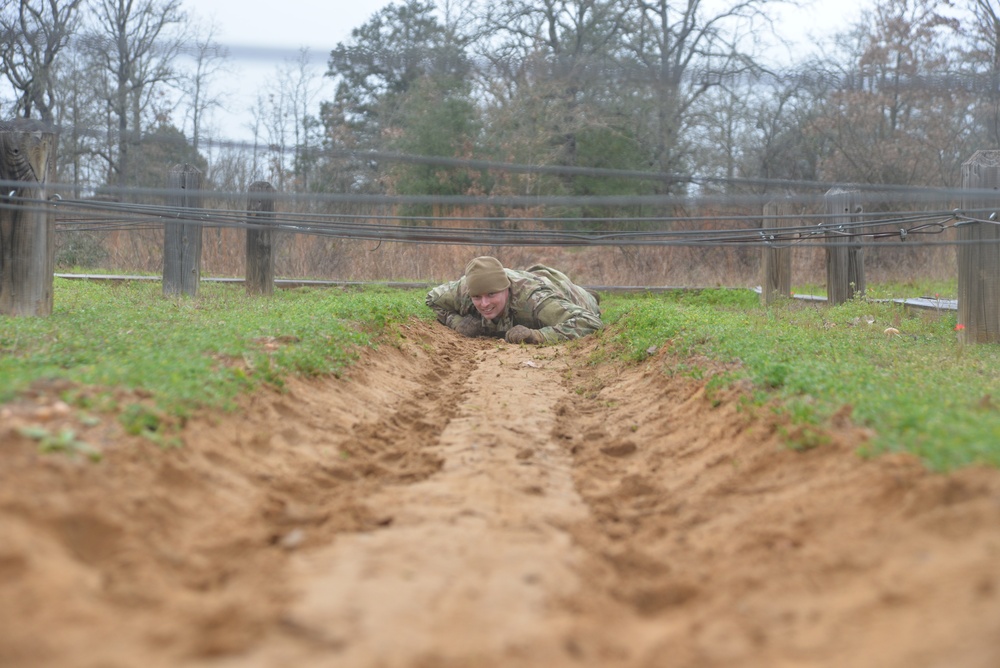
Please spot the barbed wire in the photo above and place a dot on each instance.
(523, 225)
(855, 230)
(716, 191)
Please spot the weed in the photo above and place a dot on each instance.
(138, 419)
(63, 441)
(89, 420)
(805, 437)
(774, 375)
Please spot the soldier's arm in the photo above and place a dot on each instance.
(448, 304)
(559, 319)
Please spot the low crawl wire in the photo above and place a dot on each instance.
(152, 216)
(238, 218)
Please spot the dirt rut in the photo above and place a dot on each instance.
(464, 502)
(473, 561)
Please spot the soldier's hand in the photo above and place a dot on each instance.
(521, 334)
(470, 325)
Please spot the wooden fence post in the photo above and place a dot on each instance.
(182, 240)
(260, 239)
(979, 251)
(27, 233)
(776, 263)
(845, 262)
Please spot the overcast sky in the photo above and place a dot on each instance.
(318, 24)
(264, 37)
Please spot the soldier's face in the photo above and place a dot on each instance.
(491, 304)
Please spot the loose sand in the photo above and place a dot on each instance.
(455, 502)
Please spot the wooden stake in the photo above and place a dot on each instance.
(979, 251)
(27, 232)
(182, 238)
(260, 239)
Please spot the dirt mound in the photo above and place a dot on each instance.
(466, 502)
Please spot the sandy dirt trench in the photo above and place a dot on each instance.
(455, 502)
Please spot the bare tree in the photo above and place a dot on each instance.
(34, 33)
(285, 120)
(551, 85)
(683, 51)
(782, 148)
(77, 115)
(134, 43)
(299, 83)
(210, 62)
(270, 127)
(889, 122)
(629, 77)
(983, 54)
(256, 128)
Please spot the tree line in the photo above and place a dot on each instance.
(682, 91)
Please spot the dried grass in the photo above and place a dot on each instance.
(319, 257)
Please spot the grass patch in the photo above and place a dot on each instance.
(189, 353)
(151, 360)
(930, 289)
(63, 441)
(920, 391)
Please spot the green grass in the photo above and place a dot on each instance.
(920, 391)
(189, 353)
(914, 288)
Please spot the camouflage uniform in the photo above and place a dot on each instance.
(541, 298)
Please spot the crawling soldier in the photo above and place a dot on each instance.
(539, 305)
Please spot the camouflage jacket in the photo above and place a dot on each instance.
(541, 298)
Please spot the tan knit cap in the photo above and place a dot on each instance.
(484, 275)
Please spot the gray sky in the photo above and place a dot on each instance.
(263, 41)
(317, 24)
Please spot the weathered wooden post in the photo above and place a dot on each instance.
(845, 261)
(182, 239)
(776, 262)
(979, 251)
(27, 232)
(260, 239)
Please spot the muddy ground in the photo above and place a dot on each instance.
(455, 502)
